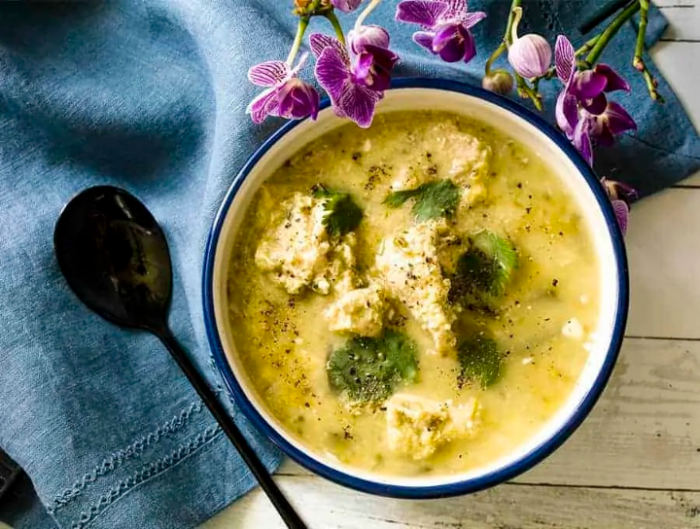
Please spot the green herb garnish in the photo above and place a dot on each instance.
(370, 369)
(484, 270)
(343, 215)
(432, 200)
(480, 360)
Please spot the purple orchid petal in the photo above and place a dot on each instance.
(595, 106)
(449, 42)
(358, 104)
(622, 213)
(582, 140)
(615, 81)
(297, 99)
(424, 39)
(472, 19)
(456, 9)
(618, 120)
(564, 58)
(567, 113)
(362, 68)
(332, 72)
(426, 13)
(269, 73)
(263, 105)
(601, 134)
(469, 47)
(346, 6)
(318, 42)
(367, 35)
(382, 63)
(619, 190)
(588, 84)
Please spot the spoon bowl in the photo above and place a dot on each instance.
(115, 257)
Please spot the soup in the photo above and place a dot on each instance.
(414, 299)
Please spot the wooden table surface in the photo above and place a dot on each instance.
(635, 462)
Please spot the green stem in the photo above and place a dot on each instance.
(506, 36)
(301, 29)
(641, 33)
(528, 92)
(336, 26)
(638, 61)
(495, 55)
(610, 32)
(588, 46)
(370, 7)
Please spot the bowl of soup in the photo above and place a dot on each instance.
(424, 308)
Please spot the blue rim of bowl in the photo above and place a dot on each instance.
(454, 488)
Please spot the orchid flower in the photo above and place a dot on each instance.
(286, 96)
(354, 78)
(621, 196)
(446, 27)
(583, 112)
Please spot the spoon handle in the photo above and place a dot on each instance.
(286, 511)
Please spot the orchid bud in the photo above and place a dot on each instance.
(346, 5)
(530, 56)
(498, 81)
(360, 37)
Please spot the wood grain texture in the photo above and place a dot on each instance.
(509, 506)
(664, 255)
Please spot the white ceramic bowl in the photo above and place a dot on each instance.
(519, 124)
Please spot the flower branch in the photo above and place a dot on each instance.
(638, 62)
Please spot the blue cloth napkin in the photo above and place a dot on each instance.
(150, 96)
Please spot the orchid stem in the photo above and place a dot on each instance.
(336, 26)
(638, 61)
(609, 32)
(506, 36)
(370, 7)
(527, 91)
(588, 46)
(301, 29)
(495, 55)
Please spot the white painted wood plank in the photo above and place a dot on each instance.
(663, 4)
(325, 505)
(663, 246)
(683, 21)
(678, 62)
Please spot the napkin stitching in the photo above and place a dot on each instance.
(145, 473)
(119, 457)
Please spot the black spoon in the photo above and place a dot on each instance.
(115, 257)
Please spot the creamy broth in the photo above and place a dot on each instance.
(541, 322)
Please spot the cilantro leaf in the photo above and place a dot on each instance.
(484, 270)
(343, 215)
(480, 360)
(432, 200)
(370, 369)
(398, 198)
